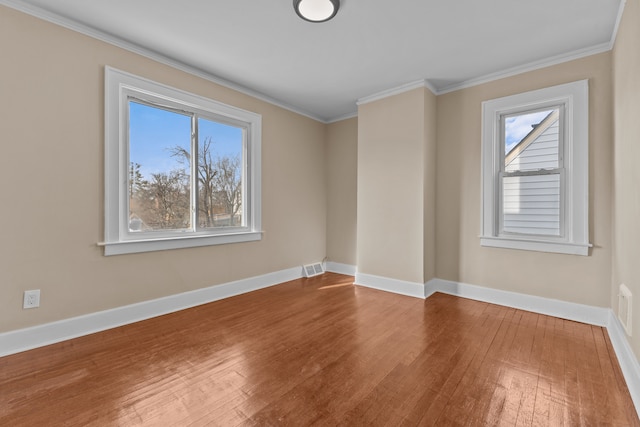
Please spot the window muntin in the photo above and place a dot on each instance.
(531, 173)
(535, 182)
(156, 195)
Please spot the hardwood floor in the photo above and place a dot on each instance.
(321, 351)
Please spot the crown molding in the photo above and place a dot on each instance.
(134, 48)
(616, 26)
(531, 66)
(396, 91)
(510, 72)
(343, 117)
(148, 53)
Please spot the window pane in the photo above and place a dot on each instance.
(159, 172)
(220, 174)
(531, 204)
(531, 141)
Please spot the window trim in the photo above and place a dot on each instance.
(119, 86)
(575, 157)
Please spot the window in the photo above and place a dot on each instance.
(535, 170)
(180, 170)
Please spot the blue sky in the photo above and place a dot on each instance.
(517, 127)
(153, 132)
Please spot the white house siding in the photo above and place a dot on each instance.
(531, 204)
(540, 154)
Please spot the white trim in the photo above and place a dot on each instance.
(131, 47)
(396, 91)
(343, 117)
(50, 333)
(498, 75)
(534, 245)
(56, 19)
(525, 68)
(598, 316)
(138, 246)
(430, 86)
(402, 287)
(38, 336)
(626, 358)
(616, 26)
(551, 307)
(574, 97)
(336, 267)
(591, 315)
(117, 238)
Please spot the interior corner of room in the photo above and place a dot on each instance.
(390, 195)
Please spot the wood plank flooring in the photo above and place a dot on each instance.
(321, 351)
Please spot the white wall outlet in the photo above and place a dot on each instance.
(31, 299)
(624, 308)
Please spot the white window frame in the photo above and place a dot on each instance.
(574, 220)
(119, 88)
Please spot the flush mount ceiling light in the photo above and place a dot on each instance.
(316, 10)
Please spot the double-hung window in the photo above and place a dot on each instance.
(180, 170)
(535, 170)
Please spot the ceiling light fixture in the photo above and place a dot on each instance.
(316, 10)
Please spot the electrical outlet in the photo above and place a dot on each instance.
(624, 308)
(31, 299)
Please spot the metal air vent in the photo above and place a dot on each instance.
(314, 269)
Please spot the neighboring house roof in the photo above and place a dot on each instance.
(537, 130)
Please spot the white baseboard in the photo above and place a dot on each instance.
(626, 358)
(566, 310)
(50, 333)
(395, 286)
(597, 316)
(336, 267)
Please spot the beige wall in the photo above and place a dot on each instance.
(626, 175)
(391, 190)
(51, 182)
(342, 169)
(381, 204)
(459, 254)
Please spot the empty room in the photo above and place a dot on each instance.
(319, 212)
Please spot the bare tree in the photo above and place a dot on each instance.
(219, 182)
(228, 185)
(166, 205)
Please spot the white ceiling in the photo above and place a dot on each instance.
(371, 46)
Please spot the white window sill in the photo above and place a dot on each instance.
(536, 245)
(149, 245)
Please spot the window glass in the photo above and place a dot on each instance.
(532, 140)
(181, 170)
(531, 204)
(220, 187)
(531, 179)
(159, 177)
(535, 170)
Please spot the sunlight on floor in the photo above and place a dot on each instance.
(339, 285)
